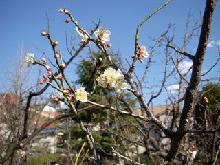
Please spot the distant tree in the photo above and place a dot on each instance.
(212, 92)
(207, 114)
(103, 123)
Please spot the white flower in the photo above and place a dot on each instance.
(142, 52)
(103, 35)
(29, 58)
(112, 78)
(81, 94)
(84, 36)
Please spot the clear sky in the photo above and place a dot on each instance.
(21, 22)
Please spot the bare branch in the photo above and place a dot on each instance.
(214, 65)
(190, 56)
(145, 19)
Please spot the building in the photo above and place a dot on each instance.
(47, 139)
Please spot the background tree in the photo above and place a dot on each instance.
(106, 126)
(207, 117)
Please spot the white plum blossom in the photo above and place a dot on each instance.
(103, 35)
(143, 52)
(81, 94)
(84, 36)
(113, 79)
(29, 58)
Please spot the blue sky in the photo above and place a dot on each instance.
(23, 20)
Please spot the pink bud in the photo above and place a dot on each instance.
(55, 43)
(59, 76)
(41, 81)
(67, 21)
(49, 70)
(109, 45)
(45, 76)
(57, 55)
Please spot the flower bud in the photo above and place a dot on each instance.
(49, 70)
(41, 81)
(55, 43)
(67, 21)
(63, 65)
(44, 33)
(66, 91)
(44, 60)
(57, 55)
(63, 10)
(109, 45)
(59, 76)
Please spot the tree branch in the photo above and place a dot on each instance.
(190, 56)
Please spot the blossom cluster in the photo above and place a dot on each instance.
(112, 78)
